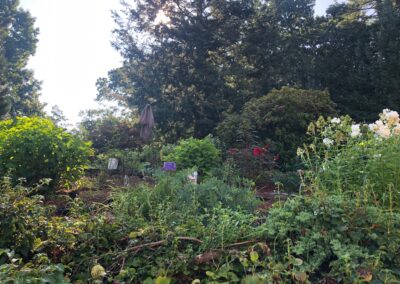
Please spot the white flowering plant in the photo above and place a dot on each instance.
(355, 158)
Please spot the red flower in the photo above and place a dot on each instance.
(257, 151)
(277, 157)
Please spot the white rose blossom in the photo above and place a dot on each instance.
(373, 127)
(355, 130)
(396, 130)
(379, 123)
(390, 117)
(328, 142)
(335, 120)
(383, 131)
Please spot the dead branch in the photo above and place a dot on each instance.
(159, 243)
(241, 243)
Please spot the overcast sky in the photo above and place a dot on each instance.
(74, 50)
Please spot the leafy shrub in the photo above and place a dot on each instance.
(351, 158)
(36, 272)
(35, 245)
(288, 181)
(34, 148)
(22, 218)
(255, 163)
(333, 236)
(108, 131)
(199, 153)
(281, 116)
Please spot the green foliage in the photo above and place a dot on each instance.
(189, 51)
(41, 271)
(191, 219)
(211, 57)
(5, 104)
(359, 161)
(18, 38)
(255, 163)
(108, 131)
(21, 218)
(344, 229)
(24, 222)
(199, 153)
(141, 161)
(58, 117)
(210, 232)
(175, 193)
(34, 243)
(334, 236)
(53, 153)
(127, 159)
(281, 116)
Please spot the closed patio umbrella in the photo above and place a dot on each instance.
(147, 122)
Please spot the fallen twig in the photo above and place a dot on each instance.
(241, 243)
(159, 243)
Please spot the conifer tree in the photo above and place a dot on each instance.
(18, 38)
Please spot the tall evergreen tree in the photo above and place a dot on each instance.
(196, 59)
(5, 104)
(358, 56)
(171, 53)
(18, 39)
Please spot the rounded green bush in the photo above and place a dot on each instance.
(34, 148)
(200, 153)
(280, 117)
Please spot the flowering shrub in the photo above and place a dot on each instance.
(360, 159)
(388, 124)
(280, 117)
(254, 163)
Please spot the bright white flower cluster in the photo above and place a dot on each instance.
(388, 124)
(390, 117)
(328, 142)
(335, 120)
(355, 130)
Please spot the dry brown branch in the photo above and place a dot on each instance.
(241, 243)
(159, 243)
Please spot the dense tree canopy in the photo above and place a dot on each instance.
(194, 60)
(19, 90)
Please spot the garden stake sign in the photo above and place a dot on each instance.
(169, 166)
(193, 177)
(112, 164)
